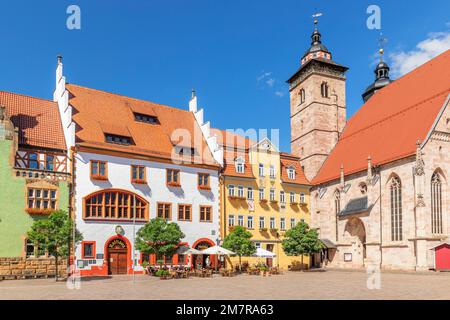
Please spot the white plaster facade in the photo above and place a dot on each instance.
(154, 191)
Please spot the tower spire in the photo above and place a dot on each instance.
(381, 71)
(317, 49)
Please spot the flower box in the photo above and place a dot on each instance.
(40, 212)
(173, 184)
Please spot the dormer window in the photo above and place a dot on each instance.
(291, 173)
(145, 118)
(240, 165)
(185, 151)
(113, 138)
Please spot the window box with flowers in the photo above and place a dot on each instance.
(39, 212)
(263, 229)
(203, 181)
(273, 230)
(99, 170)
(263, 200)
(173, 178)
(138, 175)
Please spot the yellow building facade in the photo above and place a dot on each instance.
(266, 192)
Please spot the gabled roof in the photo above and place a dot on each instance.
(237, 146)
(389, 124)
(37, 119)
(230, 167)
(97, 113)
(287, 161)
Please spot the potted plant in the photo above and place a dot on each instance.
(162, 274)
(145, 265)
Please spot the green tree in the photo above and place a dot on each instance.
(301, 240)
(54, 235)
(239, 242)
(159, 237)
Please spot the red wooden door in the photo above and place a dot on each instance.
(117, 262)
(442, 256)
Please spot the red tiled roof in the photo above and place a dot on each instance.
(389, 124)
(287, 161)
(229, 139)
(236, 145)
(37, 119)
(98, 112)
(230, 167)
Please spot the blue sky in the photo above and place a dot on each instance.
(159, 50)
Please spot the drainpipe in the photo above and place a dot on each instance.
(73, 152)
(381, 221)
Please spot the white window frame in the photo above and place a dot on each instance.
(250, 193)
(272, 223)
(231, 191)
(261, 194)
(240, 167)
(291, 173)
(283, 224)
(272, 171)
(282, 197)
(240, 221)
(262, 222)
(291, 197)
(240, 191)
(250, 222)
(293, 223)
(261, 170)
(302, 197)
(231, 220)
(272, 194)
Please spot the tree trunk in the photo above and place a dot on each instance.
(240, 265)
(56, 267)
(301, 266)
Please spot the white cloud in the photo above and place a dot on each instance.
(266, 81)
(262, 76)
(435, 44)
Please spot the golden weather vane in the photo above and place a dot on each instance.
(381, 43)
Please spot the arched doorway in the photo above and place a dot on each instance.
(117, 256)
(355, 232)
(202, 261)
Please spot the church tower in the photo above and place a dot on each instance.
(318, 113)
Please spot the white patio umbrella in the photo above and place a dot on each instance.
(218, 250)
(188, 251)
(261, 253)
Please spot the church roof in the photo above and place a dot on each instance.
(389, 124)
(37, 119)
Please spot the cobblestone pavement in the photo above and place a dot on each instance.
(291, 285)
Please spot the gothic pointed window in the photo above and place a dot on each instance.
(396, 209)
(324, 89)
(436, 204)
